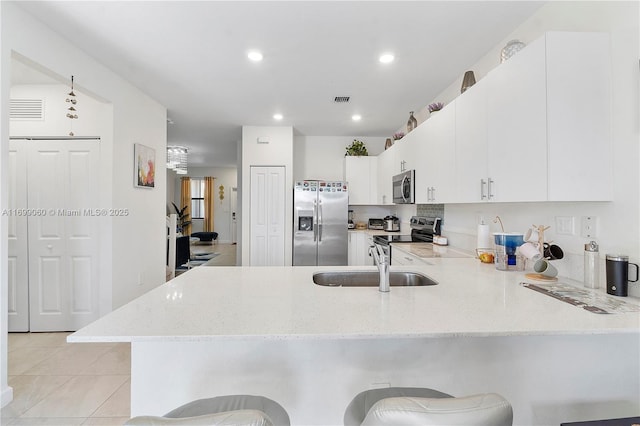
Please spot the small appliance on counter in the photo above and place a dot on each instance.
(391, 224)
(377, 224)
(350, 222)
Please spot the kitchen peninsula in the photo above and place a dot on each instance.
(271, 331)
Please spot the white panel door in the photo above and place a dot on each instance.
(63, 244)
(18, 265)
(267, 216)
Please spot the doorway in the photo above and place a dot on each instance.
(267, 227)
(53, 239)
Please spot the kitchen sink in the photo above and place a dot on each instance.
(370, 279)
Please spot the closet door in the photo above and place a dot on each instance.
(267, 216)
(18, 265)
(63, 243)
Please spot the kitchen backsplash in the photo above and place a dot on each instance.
(431, 210)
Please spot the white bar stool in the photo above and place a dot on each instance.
(422, 407)
(228, 410)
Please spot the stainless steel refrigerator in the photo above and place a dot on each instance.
(320, 220)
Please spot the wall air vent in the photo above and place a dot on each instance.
(26, 109)
(341, 99)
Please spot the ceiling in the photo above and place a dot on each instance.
(191, 56)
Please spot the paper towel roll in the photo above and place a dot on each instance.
(484, 237)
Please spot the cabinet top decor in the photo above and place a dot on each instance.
(357, 148)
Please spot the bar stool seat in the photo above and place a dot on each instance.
(422, 406)
(228, 410)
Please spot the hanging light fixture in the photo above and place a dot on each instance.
(71, 98)
(177, 159)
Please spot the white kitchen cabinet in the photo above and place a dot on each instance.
(386, 169)
(538, 127)
(435, 150)
(358, 252)
(580, 161)
(404, 153)
(361, 174)
(471, 144)
(516, 127)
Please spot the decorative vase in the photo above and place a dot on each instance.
(512, 47)
(412, 123)
(468, 80)
(388, 143)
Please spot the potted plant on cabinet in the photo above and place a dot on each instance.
(398, 136)
(357, 148)
(434, 107)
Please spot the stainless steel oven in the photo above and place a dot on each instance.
(422, 231)
(403, 188)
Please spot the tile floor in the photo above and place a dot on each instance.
(60, 383)
(64, 384)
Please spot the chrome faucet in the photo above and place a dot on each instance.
(382, 261)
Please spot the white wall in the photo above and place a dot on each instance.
(173, 190)
(6, 393)
(226, 176)
(133, 246)
(321, 157)
(91, 112)
(278, 152)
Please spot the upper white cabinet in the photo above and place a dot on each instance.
(435, 152)
(386, 163)
(516, 127)
(580, 158)
(404, 158)
(471, 144)
(361, 174)
(538, 127)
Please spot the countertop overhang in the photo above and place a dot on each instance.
(283, 303)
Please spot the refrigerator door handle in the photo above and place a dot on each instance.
(315, 221)
(320, 220)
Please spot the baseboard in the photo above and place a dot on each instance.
(7, 396)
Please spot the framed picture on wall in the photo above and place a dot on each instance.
(144, 166)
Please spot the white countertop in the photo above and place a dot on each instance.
(471, 299)
(429, 250)
(372, 231)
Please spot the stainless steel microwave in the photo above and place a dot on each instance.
(404, 188)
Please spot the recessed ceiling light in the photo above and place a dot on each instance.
(386, 58)
(356, 117)
(277, 116)
(255, 56)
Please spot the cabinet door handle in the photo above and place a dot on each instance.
(433, 193)
(483, 183)
(490, 188)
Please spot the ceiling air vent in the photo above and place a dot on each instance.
(26, 109)
(341, 99)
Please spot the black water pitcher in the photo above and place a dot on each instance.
(617, 266)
